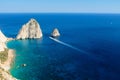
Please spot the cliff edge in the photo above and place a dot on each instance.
(3, 39)
(6, 57)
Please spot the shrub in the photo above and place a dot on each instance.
(4, 55)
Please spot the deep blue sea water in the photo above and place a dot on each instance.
(96, 37)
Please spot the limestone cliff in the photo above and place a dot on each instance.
(3, 39)
(30, 30)
(55, 33)
(6, 57)
(5, 75)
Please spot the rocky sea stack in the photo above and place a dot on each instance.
(30, 30)
(55, 33)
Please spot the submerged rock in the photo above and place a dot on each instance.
(55, 33)
(30, 30)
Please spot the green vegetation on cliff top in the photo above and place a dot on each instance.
(3, 55)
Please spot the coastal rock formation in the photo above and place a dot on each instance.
(5, 75)
(55, 33)
(2, 46)
(6, 57)
(5, 66)
(30, 30)
(3, 39)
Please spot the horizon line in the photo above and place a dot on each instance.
(57, 13)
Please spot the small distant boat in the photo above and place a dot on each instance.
(23, 65)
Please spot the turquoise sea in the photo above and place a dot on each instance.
(88, 48)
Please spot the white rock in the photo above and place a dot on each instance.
(30, 30)
(6, 65)
(55, 33)
(2, 46)
(3, 39)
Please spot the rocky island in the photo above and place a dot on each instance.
(30, 30)
(55, 33)
(6, 58)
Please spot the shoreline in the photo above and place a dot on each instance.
(5, 67)
(7, 64)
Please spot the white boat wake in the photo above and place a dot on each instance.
(77, 49)
(68, 45)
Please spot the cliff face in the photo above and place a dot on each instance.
(30, 30)
(55, 33)
(6, 58)
(2, 46)
(3, 39)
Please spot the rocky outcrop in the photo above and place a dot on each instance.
(55, 33)
(5, 75)
(30, 30)
(3, 39)
(4, 67)
(2, 46)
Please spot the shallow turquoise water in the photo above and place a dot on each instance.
(41, 58)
